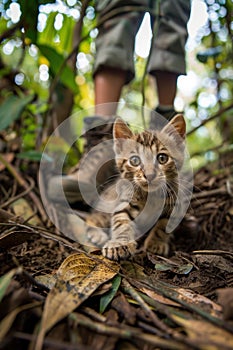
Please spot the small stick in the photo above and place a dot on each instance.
(160, 325)
(12, 170)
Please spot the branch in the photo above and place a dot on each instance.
(212, 149)
(9, 32)
(216, 115)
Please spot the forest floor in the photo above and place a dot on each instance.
(55, 295)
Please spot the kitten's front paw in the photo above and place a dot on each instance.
(157, 242)
(159, 247)
(113, 250)
(97, 236)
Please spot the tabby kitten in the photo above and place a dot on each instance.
(143, 197)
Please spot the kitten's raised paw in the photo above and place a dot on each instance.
(97, 237)
(115, 251)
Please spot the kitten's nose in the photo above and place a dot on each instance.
(150, 177)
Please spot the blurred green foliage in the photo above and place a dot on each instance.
(40, 38)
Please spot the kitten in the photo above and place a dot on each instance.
(143, 197)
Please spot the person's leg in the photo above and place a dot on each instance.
(166, 87)
(114, 59)
(168, 54)
(108, 85)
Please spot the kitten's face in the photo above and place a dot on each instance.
(149, 159)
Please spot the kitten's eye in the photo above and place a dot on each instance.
(162, 158)
(135, 160)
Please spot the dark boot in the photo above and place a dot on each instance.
(159, 117)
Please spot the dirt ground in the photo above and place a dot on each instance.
(150, 302)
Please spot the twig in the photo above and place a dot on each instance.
(160, 325)
(213, 252)
(93, 314)
(58, 345)
(212, 149)
(10, 31)
(6, 217)
(20, 195)
(204, 194)
(163, 289)
(216, 115)
(126, 332)
(12, 170)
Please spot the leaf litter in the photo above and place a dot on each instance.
(54, 295)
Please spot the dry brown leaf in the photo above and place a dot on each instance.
(23, 209)
(14, 238)
(122, 306)
(205, 334)
(196, 299)
(77, 278)
(159, 298)
(7, 322)
(47, 280)
(225, 299)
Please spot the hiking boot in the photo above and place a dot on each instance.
(159, 117)
(95, 169)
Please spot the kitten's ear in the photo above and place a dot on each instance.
(177, 124)
(121, 130)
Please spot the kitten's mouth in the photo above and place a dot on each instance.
(149, 186)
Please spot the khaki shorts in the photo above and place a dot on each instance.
(119, 22)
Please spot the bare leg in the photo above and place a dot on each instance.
(108, 85)
(166, 87)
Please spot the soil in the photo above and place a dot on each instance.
(181, 302)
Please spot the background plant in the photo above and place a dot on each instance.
(46, 74)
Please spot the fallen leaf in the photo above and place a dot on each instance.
(220, 262)
(161, 299)
(205, 334)
(6, 279)
(180, 270)
(122, 306)
(175, 265)
(22, 209)
(7, 322)
(14, 238)
(196, 299)
(77, 278)
(107, 298)
(47, 280)
(225, 298)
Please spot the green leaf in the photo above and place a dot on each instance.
(5, 281)
(107, 298)
(178, 269)
(56, 60)
(48, 34)
(31, 155)
(30, 11)
(66, 34)
(12, 108)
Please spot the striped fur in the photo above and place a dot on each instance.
(150, 162)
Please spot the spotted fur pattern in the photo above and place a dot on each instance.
(144, 195)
